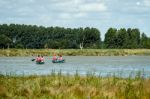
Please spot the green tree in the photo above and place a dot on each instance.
(110, 38)
(133, 38)
(145, 41)
(5, 41)
(122, 38)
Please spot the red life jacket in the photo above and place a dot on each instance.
(54, 58)
(42, 59)
(38, 59)
(60, 58)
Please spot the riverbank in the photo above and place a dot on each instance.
(74, 52)
(58, 86)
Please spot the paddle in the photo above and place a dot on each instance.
(32, 59)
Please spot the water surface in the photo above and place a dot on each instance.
(99, 65)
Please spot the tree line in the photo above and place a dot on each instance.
(126, 38)
(32, 36)
(36, 37)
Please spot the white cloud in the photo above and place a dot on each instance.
(80, 6)
(44, 17)
(79, 15)
(75, 9)
(67, 5)
(147, 3)
(65, 16)
(31, 1)
(24, 11)
(72, 16)
(92, 7)
(138, 3)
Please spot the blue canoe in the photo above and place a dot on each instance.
(58, 61)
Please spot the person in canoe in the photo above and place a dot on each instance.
(38, 58)
(60, 57)
(42, 59)
(54, 57)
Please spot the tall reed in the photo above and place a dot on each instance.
(60, 86)
(74, 52)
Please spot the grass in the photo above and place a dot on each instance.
(58, 86)
(74, 52)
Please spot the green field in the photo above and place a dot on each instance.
(74, 52)
(58, 86)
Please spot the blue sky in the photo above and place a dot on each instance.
(101, 14)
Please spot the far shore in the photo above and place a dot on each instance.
(74, 52)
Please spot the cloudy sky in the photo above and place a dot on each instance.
(100, 14)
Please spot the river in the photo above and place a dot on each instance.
(99, 65)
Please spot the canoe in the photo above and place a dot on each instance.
(58, 61)
(39, 62)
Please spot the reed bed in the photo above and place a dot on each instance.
(74, 52)
(59, 86)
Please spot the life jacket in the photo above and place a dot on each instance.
(42, 59)
(54, 58)
(38, 59)
(60, 58)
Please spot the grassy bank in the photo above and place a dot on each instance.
(57, 86)
(74, 52)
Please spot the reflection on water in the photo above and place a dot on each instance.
(100, 65)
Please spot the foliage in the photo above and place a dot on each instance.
(32, 36)
(110, 38)
(4, 41)
(145, 41)
(39, 37)
(127, 39)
